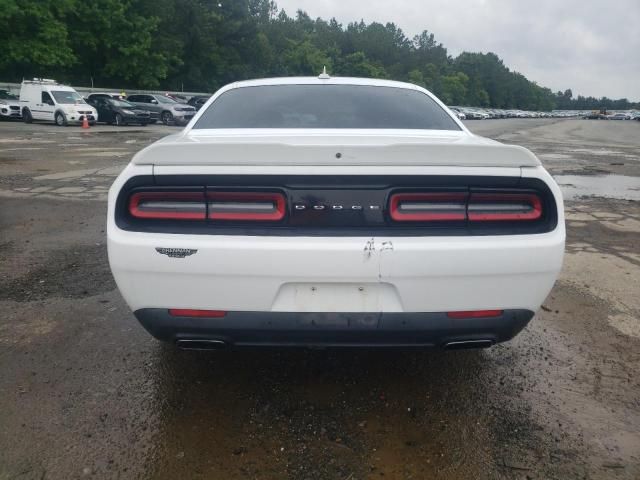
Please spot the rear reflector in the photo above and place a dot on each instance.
(247, 206)
(487, 207)
(475, 314)
(428, 207)
(185, 312)
(168, 205)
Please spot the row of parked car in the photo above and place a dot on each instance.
(604, 115)
(470, 113)
(47, 100)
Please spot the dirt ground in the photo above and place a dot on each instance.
(85, 392)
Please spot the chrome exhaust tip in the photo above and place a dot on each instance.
(200, 344)
(467, 344)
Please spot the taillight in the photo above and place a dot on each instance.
(427, 207)
(485, 207)
(240, 206)
(462, 206)
(246, 206)
(168, 205)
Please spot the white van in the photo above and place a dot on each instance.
(47, 100)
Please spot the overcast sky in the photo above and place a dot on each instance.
(590, 46)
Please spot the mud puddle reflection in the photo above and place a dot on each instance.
(619, 187)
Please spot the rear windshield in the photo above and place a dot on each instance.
(325, 106)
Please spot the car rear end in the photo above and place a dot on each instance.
(334, 238)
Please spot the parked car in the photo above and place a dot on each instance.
(333, 212)
(198, 101)
(619, 116)
(471, 114)
(163, 108)
(119, 112)
(9, 105)
(47, 100)
(458, 113)
(177, 97)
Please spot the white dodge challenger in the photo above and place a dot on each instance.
(333, 212)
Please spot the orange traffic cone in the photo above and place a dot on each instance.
(85, 122)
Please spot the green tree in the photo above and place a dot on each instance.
(203, 44)
(454, 89)
(416, 77)
(35, 37)
(357, 65)
(303, 58)
(115, 47)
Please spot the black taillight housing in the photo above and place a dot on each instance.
(334, 206)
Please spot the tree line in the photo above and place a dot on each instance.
(200, 45)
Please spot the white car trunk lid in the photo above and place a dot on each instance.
(333, 148)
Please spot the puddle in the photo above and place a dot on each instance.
(609, 186)
(596, 151)
(555, 156)
(602, 152)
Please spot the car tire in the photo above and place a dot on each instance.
(26, 116)
(167, 118)
(60, 119)
(119, 121)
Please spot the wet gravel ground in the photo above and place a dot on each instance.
(85, 392)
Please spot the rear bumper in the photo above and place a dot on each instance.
(322, 274)
(293, 329)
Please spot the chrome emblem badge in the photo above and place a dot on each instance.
(176, 252)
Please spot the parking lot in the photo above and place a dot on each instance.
(85, 392)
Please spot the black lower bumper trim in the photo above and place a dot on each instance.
(244, 329)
